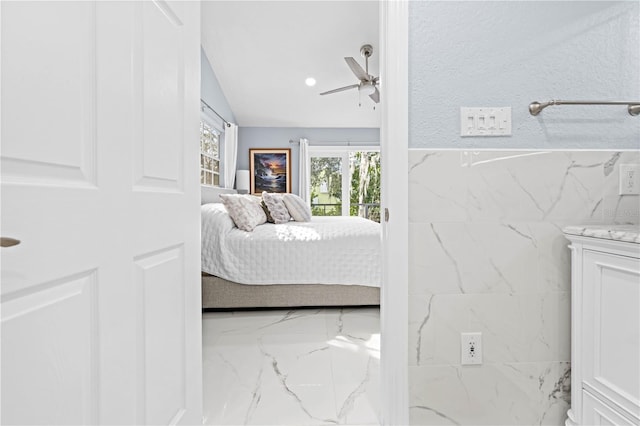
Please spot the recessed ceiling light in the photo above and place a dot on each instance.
(310, 81)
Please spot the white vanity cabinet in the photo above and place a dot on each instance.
(605, 325)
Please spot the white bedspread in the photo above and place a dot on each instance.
(327, 250)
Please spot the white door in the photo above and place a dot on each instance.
(101, 299)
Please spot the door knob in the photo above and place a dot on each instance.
(8, 242)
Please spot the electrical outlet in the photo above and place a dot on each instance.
(629, 179)
(471, 348)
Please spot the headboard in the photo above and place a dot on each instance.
(210, 194)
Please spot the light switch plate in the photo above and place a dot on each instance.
(485, 121)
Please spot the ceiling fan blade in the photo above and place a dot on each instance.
(375, 96)
(353, 86)
(357, 69)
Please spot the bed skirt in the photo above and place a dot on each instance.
(218, 293)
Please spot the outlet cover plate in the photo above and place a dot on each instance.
(629, 179)
(471, 348)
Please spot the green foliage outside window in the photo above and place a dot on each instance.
(365, 184)
(326, 185)
(209, 155)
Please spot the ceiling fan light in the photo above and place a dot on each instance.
(310, 82)
(367, 88)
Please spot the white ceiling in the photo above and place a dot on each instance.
(262, 52)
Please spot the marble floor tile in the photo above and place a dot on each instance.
(292, 367)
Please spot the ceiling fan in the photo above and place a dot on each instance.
(368, 83)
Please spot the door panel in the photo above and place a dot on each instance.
(158, 159)
(61, 103)
(598, 414)
(611, 330)
(161, 329)
(55, 326)
(101, 300)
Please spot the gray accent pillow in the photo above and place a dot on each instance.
(298, 208)
(266, 211)
(276, 207)
(244, 210)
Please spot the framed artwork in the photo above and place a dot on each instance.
(270, 170)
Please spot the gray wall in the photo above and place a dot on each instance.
(211, 91)
(212, 94)
(278, 137)
(502, 53)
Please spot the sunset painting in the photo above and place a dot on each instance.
(270, 170)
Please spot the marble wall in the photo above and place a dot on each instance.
(487, 254)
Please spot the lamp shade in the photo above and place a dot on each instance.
(242, 181)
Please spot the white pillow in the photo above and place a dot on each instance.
(276, 207)
(244, 210)
(298, 209)
(216, 215)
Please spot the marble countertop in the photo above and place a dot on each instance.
(629, 233)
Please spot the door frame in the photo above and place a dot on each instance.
(394, 36)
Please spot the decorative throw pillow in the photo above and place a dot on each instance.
(298, 209)
(276, 207)
(266, 211)
(245, 211)
(254, 198)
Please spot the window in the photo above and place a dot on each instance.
(209, 154)
(327, 184)
(345, 182)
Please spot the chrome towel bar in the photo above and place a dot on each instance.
(8, 242)
(536, 107)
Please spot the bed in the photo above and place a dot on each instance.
(329, 261)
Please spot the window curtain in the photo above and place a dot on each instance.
(230, 154)
(304, 172)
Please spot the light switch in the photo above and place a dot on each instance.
(485, 121)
